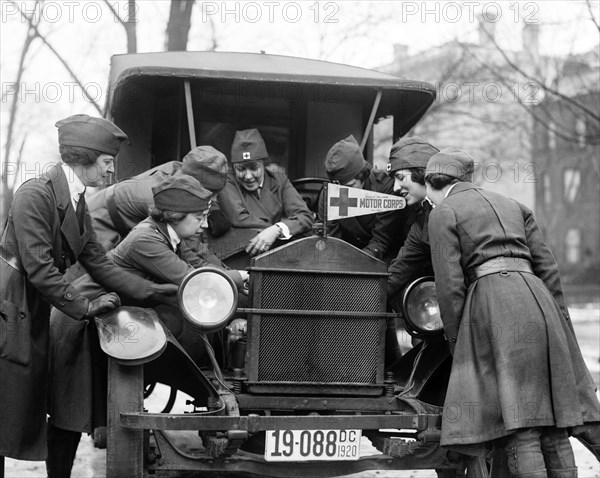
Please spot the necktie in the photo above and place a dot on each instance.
(80, 211)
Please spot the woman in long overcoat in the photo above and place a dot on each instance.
(42, 238)
(518, 374)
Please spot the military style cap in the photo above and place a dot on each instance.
(413, 152)
(452, 162)
(207, 165)
(181, 193)
(89, 132)
(248, 145)
(344, 160)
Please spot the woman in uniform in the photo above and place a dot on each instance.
(518, 377)
(154, 250)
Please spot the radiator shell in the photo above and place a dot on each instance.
(318, 322)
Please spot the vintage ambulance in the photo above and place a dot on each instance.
(303, 387)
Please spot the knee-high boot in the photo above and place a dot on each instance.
(62, 447)
(524, 454)
(558, 453)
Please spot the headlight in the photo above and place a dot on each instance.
(207, 299)
(132, 335)
(421, 309)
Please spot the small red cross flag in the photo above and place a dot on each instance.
(343, 201)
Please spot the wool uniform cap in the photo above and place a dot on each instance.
(207, 165)
(89, 132)
(248, 145)
(407, 153)
(344, 160)
(452, 162)
(181, 193)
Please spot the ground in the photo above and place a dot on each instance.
(90, 461)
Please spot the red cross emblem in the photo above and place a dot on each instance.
(343, 202)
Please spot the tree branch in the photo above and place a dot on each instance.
(59, 57)
(545, 86)
(593, 18)
(114, 12)
(31, 34)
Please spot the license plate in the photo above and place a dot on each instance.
(312, 445)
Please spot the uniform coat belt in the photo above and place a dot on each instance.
(11, 260)
(499, 265)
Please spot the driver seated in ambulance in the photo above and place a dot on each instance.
(259, 198)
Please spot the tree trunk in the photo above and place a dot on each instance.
(130, 25)
(179, 24)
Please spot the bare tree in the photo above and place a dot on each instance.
(178, 26)
(11, 168)
(128, 23)
(11, 162)
(551, 78)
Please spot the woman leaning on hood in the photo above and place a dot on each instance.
(518, 378)
(155, 249)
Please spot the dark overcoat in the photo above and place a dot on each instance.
(42, 237)
(516, 361)
(278, 202)
(414, 257)
(381, 233)
(77, 399)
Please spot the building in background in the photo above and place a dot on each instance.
(537, 147)
(566, 146)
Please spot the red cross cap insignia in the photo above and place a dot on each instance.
(246, 155)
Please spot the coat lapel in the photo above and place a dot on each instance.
(69, 226)
(260, 206)
(162, 228)
(268, 199)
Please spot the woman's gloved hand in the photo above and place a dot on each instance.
(102, 304)
(165, 294)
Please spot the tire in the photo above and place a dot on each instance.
(125, 446)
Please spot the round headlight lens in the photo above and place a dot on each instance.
(208, 299)
(131, 334)
(421, 309)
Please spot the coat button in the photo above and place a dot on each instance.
(22, 315)
(68, 295)
(453, 339)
